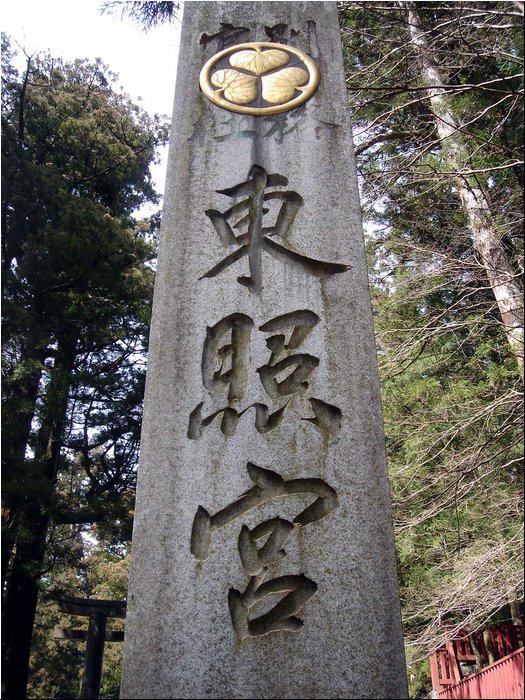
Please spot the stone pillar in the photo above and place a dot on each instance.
(263, 556)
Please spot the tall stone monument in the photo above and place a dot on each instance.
(263, 557)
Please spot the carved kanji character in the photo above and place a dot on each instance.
(258, 239)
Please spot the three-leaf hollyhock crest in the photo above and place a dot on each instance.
(260, 78)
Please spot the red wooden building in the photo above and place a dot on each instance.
(458, 672)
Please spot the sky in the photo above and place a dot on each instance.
(145, 62)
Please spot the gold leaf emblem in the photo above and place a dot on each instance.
(281, 87)
(259, 62)
(239, 88)
(259, 78)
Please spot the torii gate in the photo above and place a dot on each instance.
(98, 612)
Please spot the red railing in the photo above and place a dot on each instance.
(502, 679)
(452, 665)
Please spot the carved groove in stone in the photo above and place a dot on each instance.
(294, 383)
(267, 486)
(327, 417)
(298, 588)
(278, 33)
(277, 530)
(302, 322)
(237, 351)
(258, 238)
(228, 35)
(264, 420)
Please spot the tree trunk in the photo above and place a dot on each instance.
(50, 434)
(515, 609)
(19, 410)
(488, 646)
(29, 552)
(19, 613)
(503, 278)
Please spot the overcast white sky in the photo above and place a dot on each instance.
(144, 61)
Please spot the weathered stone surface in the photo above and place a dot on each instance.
(250, 475)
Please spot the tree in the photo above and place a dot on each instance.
(77, 286)
(435, 91)
(146, 14)
(503, 277)
(467, 132)
(90, 571)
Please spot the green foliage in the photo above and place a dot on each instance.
(451, 393)
(57, 664)
(145, 14)
(77, 287)
(419, 681)
(77, 283)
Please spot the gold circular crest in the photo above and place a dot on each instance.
(259, 78)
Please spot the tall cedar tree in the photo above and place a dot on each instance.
(76, 298)
(436, 95)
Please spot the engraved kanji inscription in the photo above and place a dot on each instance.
(298, 588)
(264, 545)
(277, 126)
(264, 420)
(225, 362)
(301, 322)
(249, 213)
